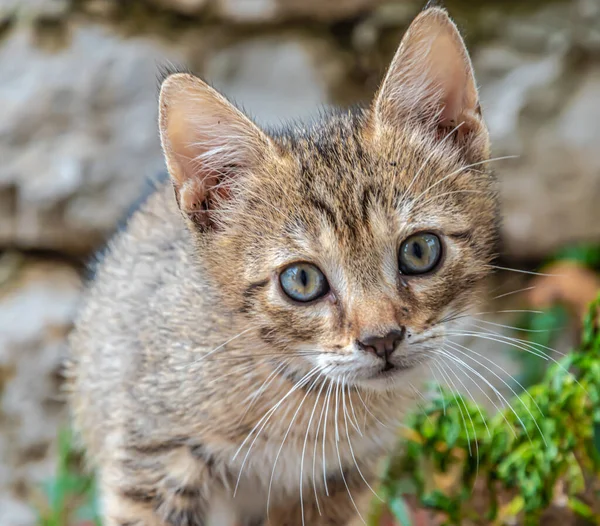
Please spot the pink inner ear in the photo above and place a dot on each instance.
(451, 72)
(202, 141)
(453, 112)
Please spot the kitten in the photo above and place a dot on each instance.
(252, 336)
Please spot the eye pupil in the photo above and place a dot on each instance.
(303, 278)
(417, 250)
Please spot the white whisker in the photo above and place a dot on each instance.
(500, 396)
(312, 414)
(458, 172)
(368, 410)
(337, 446)
(314, 478)
(453, 192)
(265, 419)
(355, 425)
(329, 390)
(515, 328)
(264, 386)
(351, 448)
(530, 272)
(457, 347)
(525, 289)
(204, 356)
(427, 159)
(458, 404)
(442, 397)
(308, 391)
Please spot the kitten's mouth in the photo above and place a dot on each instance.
(389, 366)
(390, 369)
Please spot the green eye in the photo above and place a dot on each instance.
(303, 282)
(419, 253)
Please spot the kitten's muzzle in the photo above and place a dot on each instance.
(383, 346)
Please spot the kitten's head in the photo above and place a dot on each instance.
(346, 245)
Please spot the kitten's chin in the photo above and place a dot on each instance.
(393, 377)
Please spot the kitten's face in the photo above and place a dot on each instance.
(352, 238)
(350, 246)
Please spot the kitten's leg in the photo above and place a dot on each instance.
(119, 508)
(156, 489)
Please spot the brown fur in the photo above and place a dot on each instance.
(185, 341)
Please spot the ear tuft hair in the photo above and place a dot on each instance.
(433, 3)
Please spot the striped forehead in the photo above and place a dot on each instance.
(359, 250)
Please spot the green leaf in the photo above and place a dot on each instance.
(437, 500)
(541, 330)
(400, 510)
(585, 254)
(376, 512)
(580, 508)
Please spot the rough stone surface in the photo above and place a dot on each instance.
(37, 304)
(77, 134)
(279, 10)
(33, 9)
(551, 192)
(268, 11)
(540, 83)
(275, 79)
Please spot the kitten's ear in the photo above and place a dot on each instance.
(431, 78)
(207, 142)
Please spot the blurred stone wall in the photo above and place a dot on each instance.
(78, 89)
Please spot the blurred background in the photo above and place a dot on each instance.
(78, 138)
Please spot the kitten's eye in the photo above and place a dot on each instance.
(303, 282)
(419, 253)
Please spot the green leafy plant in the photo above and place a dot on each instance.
(585, 254)
(543, 327)
(542, 453)
(69, 499)
(541, 330)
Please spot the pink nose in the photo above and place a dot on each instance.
(382, 346)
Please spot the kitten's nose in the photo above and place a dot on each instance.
(383, 346)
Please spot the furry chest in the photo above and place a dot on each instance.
(304, 468)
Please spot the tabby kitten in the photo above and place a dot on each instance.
(252, 336)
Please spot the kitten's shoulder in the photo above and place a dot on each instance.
(152, 227)
(151, 261)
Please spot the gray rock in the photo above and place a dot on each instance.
(79, 132)
(33, 9)
(505, 99)
(551, 193)
(269, 11)
(37, 305)
(543, 107)
(275, 79)
(77, 136)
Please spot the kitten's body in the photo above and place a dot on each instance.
(193, 379)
